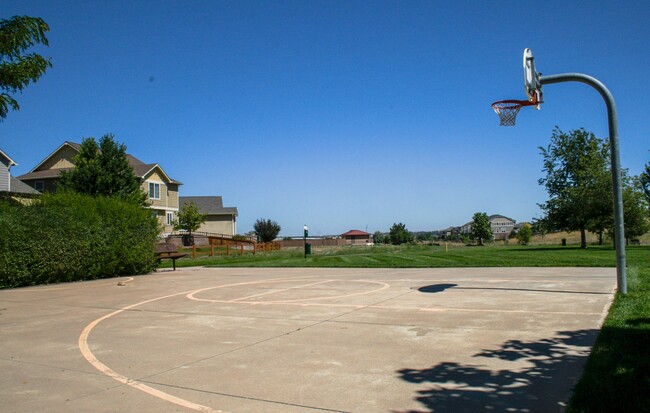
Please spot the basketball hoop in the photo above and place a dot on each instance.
(508, 110)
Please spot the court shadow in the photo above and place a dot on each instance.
(436, 288)
(539, 379)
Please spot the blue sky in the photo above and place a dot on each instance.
(336, 114)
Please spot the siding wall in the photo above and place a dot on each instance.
(61, 159)
(4, 177)
(155, 177)
(219, 224)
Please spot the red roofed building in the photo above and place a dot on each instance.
(356, 237)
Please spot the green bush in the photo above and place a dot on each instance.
(72, 237)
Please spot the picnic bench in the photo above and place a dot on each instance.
(167, 251)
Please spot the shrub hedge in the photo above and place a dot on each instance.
(71, 237)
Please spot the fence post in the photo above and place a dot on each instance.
(193, 250)
(241, 250)
(211, 249)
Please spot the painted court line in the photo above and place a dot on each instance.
(87, 353)
(278, 291)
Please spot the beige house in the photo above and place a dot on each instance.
(501, 226)
(162, 190)
(220, 220)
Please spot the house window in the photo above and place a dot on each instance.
(170, 218)
(154, 190)
(39, 186)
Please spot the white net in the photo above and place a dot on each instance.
(507, 112)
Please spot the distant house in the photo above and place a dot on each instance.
(449, 233)
(161, 189)
(8, 183)
(501, 226)
(220, 219)
(356, 237)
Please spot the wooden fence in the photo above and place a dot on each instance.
(227, 247)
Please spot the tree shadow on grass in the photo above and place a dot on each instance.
(540, 379)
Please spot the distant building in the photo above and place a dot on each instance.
(220, 220)
(10, 184)
(356, 237)
(162, 190)
(501, 226)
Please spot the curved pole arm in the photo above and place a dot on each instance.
(612, 120)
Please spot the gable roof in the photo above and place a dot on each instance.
(73, 145)
(140, 169)
(211, 205)
(19, 187)
(355, 233)
(9, 160)
(495, 216)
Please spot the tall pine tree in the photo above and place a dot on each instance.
(103, 170)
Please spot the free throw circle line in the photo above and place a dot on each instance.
(192, 295)
(87, 353)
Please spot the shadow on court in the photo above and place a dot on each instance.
(454, 387)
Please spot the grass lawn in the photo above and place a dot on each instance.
(428, 257)
(617, 374)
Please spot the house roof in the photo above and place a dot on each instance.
(9, 160)
(495, 216)
(211, 205)
(140, 169)
(73, 145)
(355, 233)
(19, 187)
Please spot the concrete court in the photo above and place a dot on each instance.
(303, 340)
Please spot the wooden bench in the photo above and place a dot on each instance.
(165, 251)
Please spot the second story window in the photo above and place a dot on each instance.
(154, 190)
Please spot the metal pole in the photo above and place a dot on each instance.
(305, 234)
(617, 188)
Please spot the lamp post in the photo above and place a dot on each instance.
(306, 233)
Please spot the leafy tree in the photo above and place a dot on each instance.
(18, 69)
(399, 234)
(644, 181)
(525, 234)
(481, 228)
(189, 218)
(539, 227)
(425, 236)
(266, 229)
(577, 177)
(378, 237)
(635, 210)
(103, 170)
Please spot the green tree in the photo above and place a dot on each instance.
(103, 170)
(481, 228)
(189, 218)
(17, 68)
(267, 230)
(425, 236)
(635, 210)
(378, 237)
(644, 180)
(525, 234)
(576, 167)
(399, 234)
